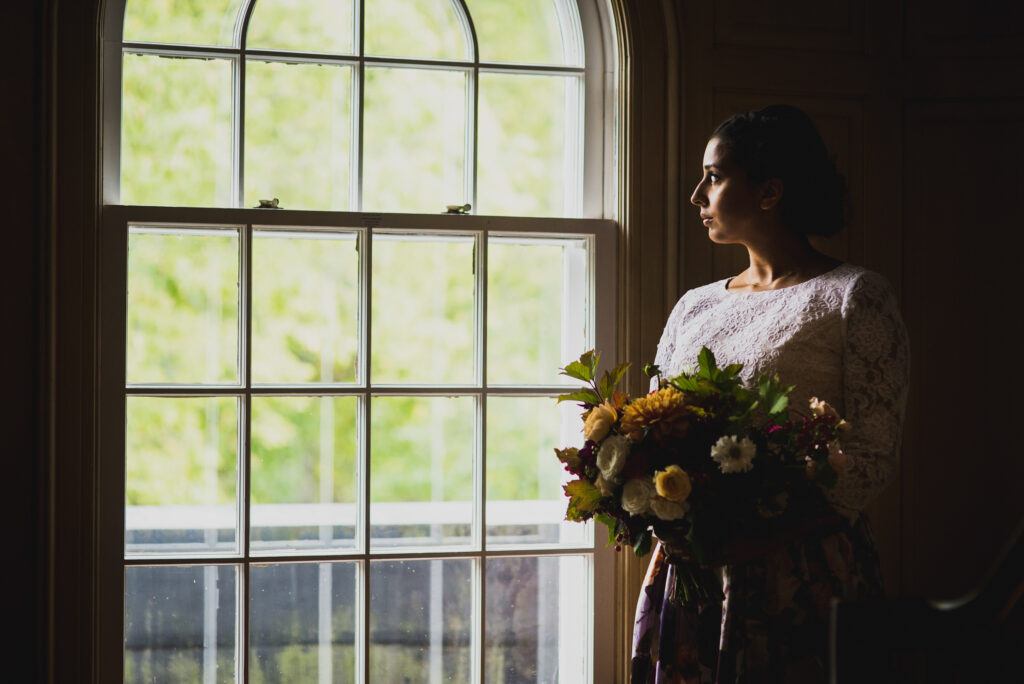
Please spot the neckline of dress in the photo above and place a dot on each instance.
(733, 293)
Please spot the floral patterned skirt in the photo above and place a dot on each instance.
(772, 624)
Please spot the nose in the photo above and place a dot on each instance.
(697, 198)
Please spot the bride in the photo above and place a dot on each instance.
(832, 329)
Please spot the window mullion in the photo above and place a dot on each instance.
(245, 448)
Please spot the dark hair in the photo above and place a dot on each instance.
(781, 142)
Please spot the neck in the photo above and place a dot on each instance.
(781, 263)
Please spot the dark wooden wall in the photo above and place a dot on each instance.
(922, 101)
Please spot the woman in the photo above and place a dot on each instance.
(832, 329)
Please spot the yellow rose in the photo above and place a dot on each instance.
(599, 422)
(673, 483)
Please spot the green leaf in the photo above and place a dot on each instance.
(685, 384)
(610, 379)
(733, 369)
(612, 525)
(706, 363)
(590, 359)
(651, 369)
(570, 457)
(578, 371)
(587, 396)
(584, 498)
(642, 545)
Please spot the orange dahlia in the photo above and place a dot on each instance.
(664, 413)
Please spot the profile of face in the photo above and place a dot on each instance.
(731, 206)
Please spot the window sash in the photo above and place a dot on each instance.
(116, 220)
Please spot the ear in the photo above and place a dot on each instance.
(771, 193)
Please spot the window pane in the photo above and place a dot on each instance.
(421, 471)
(420, 621)
(529, 156)
(180, 624)
(182, 310)
(526, 31)
(298, 135)
(305, 307)
(303, 25)
(536, 620)
(303, 622)
(525, 501)
(536, 309)
(189, 22)
(304, 481)
(176, 131)
(414, 133)
(181, 475)
(423, 310)
(426, 29)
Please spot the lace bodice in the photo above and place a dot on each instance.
(839, 337)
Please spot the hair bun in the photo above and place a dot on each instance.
(782, 142)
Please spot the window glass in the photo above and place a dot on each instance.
(181, 475)
(305, 307)
(530, 625)
(176, 131)
(414, 136)
(189, 22)
(304, 480)
(536, 309)
(424, 29)
(420, 621)
(421, 471)
(303, 622)
(183, 295)
(423, 310)
(298, 135)
(180, 624)
(302, 25)
(524, 31)
(528, 157)
(525, 500)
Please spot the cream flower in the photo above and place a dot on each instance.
(822, 408)
(844, 429)
(636, 496)
(607, 488)
(733, 455)
(668, 510)
(611, 457)
(599, 422)
(673, 483)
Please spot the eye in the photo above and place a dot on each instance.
(714, 177)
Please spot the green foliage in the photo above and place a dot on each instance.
(583, 500)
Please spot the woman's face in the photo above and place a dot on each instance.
(730, 205)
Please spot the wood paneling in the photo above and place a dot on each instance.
(804, 24)
(964, 28)
(962, 479)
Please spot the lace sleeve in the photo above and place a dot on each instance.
(667, 343)
(876, 364)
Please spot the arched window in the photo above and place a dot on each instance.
(349, 246)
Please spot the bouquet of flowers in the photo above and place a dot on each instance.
(702, 462)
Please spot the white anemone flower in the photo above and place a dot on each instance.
(734, 455)
(637, 495)
(664, 509)
(611, 457)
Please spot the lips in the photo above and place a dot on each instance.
(705, 219)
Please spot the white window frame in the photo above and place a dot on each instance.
(597, 206)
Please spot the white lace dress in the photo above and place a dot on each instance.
(839, 337)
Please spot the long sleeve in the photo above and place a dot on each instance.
(876, 366)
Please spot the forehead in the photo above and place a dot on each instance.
(715, 153)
